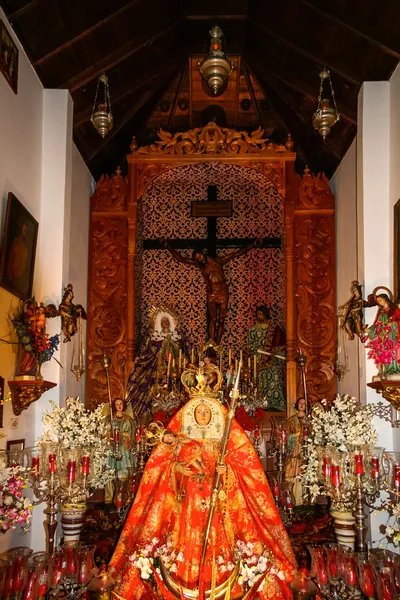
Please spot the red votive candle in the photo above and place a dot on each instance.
(18, 574)
(71, 470)
(335, 476)
(85, 465)
(42, 587)
(322, 568)
(326, 467)
(138, 434)
(375, 467)
(57, 570)
(276, 489)
(351, 572)
(368, 581)
(289, 502)
(283, 436)
(71, 561)
(35, 466)
(116, 435)
(29, 593)
(256, 433)
(53, 463)
(396, 476)
(359, 467)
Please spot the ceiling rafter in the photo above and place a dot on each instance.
(84, 115)
(113, 60)
(85, 33)
(251, 59)
(342, 23)
(28, 6)
(312, 57)
(214, 16)
(151, 97)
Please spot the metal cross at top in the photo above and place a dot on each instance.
(211, 209)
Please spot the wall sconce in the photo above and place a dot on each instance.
(216, 68)
(326, 114)
(102, 118)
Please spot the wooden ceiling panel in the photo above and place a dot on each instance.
(141, 44)
(107, 43)
(54, 24)
(297, 70)
(308, 32)
(377, 20)
(144, 63)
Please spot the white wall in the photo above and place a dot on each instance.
(42, 167)
(344, 187)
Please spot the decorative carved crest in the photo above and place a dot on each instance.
(314, 192)
(111, 193)
(212, 139)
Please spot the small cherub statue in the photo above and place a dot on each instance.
(351, 312)
(69, 313)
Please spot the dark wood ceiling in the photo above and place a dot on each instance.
(144, 45)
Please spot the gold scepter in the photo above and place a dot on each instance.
(228, 425)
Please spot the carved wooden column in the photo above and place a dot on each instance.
(107, 288)
(292, 182)
(131, 272)
(315, 287)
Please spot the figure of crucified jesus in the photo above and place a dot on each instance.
(212, 270)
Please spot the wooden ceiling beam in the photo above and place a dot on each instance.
(320, 63)
(308, 139)
(84, 115)
(85, 33)
(292, 85)
(251, 90)
(342, 23)
(128, 115)
(215, 16)
(113, 60)
(18, 13)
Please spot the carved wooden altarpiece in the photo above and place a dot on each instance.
(309, 254)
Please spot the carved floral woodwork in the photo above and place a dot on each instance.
(115, 270)
(25, 391)
(314, 230)
(107, 293)
(211, 139)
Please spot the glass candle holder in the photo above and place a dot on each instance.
(41, 562)
(85, 564)
(332, 557)
(319, 564)
(366, 575)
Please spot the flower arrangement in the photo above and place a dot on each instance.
(30, 325)
(383, 347)
(15, 508)
(74, 426)
(343, 424)
(248, 419)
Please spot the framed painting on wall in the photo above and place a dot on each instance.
(8, 58)
(396, 251)
(18, 249)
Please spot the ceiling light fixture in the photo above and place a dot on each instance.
(102, 118)
(327, 113)
(215, 68)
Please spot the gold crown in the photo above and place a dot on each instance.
(207, 379)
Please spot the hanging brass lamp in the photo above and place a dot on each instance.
(327, 113)
(215, 68)
(102, 118)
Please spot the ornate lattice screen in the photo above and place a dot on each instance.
(257, 278)
(270, 199)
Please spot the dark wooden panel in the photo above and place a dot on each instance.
(197, 39)
(107, 43)
(376, 19)
(298, 70)
(222, 8)
(327, 43)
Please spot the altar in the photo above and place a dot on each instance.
(292, 272)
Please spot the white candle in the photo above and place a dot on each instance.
(180, 358)
(255, 368)
(192, 359)
(169, 365)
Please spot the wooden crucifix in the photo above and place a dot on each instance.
(205, 257)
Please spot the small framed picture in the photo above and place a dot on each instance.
(8, 58)
(14, 451)
(18, 249)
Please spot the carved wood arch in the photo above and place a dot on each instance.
(309, 253)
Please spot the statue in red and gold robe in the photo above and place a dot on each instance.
(161, 546)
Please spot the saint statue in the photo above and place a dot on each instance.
(268, 336)
(122, 436)
(156, 359)
(383, 336)
(295, 430)
(69, 313)
(212, 270)
(162, 549)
